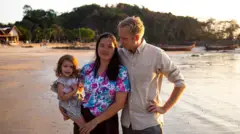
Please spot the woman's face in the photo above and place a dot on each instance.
(106, 49)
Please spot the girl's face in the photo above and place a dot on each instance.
(106, 49)
(67, 68)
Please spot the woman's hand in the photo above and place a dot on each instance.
(80, 91)
(80, 87)
(88, 127)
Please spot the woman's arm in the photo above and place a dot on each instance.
(111, 111)
(122, 89)
(66, 96)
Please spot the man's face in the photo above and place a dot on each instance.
(126, 38)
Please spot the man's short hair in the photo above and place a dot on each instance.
(135, 25)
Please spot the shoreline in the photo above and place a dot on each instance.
(27, 104)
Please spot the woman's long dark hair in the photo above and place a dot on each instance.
(113, 66)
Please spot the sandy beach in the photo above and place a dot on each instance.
(27, 104)
(210, 104)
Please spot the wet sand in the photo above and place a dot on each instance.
(210, 104)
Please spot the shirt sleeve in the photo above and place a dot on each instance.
(60, 80)
(169, 69)
(54, 86)
(123, 84)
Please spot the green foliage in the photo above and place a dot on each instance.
(24, 33)
(88, 21)
(84, 34)
(87, 34)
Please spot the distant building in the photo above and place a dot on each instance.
(9, 35)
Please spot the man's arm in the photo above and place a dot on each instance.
(167, 67)
(176, 94)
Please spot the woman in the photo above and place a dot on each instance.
(106, 85)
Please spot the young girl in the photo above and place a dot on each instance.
(66, 86)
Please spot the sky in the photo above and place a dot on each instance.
(12, 10)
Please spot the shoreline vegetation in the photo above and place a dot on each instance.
(85, 23)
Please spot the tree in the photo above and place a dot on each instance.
(159, 27)
(84, 34)
(238, 36)
(69, 35)
(87, 34)
(26, 9)
(24, 33)
(2, 25)
(56, 32)
(231, 29)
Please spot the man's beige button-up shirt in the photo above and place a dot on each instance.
(146, 68)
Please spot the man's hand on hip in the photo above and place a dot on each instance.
(155, 108)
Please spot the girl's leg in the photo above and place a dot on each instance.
(62, 110)
(80, 121)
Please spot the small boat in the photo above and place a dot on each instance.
(177, 47)
(221, 47)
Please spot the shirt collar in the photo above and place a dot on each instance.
(141, 47)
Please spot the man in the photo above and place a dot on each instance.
(146, 64)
